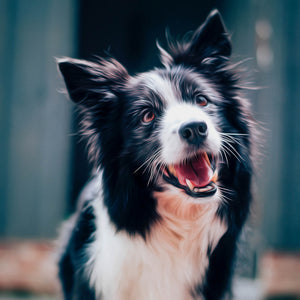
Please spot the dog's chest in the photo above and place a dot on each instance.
(167, 266)
(131, 270)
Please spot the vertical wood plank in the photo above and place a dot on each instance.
(39, 120)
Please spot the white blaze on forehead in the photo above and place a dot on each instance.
(169, 90)
(161, 86)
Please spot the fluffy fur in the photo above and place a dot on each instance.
(140, 231)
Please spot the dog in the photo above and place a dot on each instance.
(161, 216)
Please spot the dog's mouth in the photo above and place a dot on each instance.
(196, 176)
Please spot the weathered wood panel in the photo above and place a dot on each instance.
(35, 118)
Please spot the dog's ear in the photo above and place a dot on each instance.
(209, 40)
(88, 82)
(96, 89)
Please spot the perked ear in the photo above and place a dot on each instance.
(87, 81)
(209, 40)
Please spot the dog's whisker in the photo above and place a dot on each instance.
(226, 199)
(148, 161)
(229, 151)
(232, 139)
(231, 133)
(152, 165)
(234, 150)
(223, 154)
(225, 190)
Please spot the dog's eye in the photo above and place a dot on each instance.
(148, 116)
(201, 100)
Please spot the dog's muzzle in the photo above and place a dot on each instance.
(197, 176)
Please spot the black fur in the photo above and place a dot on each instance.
(111, 108)
(74, 283)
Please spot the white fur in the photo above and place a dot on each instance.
(174, 150)
(167, 265)
(159, 85)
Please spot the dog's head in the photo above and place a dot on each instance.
(178, 129)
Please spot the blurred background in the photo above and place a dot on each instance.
(43, 164)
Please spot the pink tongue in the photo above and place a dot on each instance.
(197, 171)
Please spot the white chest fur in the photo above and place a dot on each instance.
(166, 266)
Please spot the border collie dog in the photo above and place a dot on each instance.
(160, 218)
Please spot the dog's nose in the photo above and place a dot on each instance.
(194, 132)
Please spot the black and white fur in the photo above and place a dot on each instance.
(135, 235)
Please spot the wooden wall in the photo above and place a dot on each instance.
(34, 116)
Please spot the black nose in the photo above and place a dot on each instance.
(194, 132)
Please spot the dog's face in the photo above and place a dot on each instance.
(179, 128)
(172, 129)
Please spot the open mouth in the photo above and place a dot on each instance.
(196, 176)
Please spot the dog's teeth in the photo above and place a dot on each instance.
(172, 170)
(207, 188)
(206, 158)
(202, 189)
(189, 184)
(165, 172)
(215, 177)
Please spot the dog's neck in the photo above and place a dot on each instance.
(184, 222)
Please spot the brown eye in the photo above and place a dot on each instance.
(201, 99)
(148, 116)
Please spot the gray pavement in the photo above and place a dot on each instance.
(243, 289)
